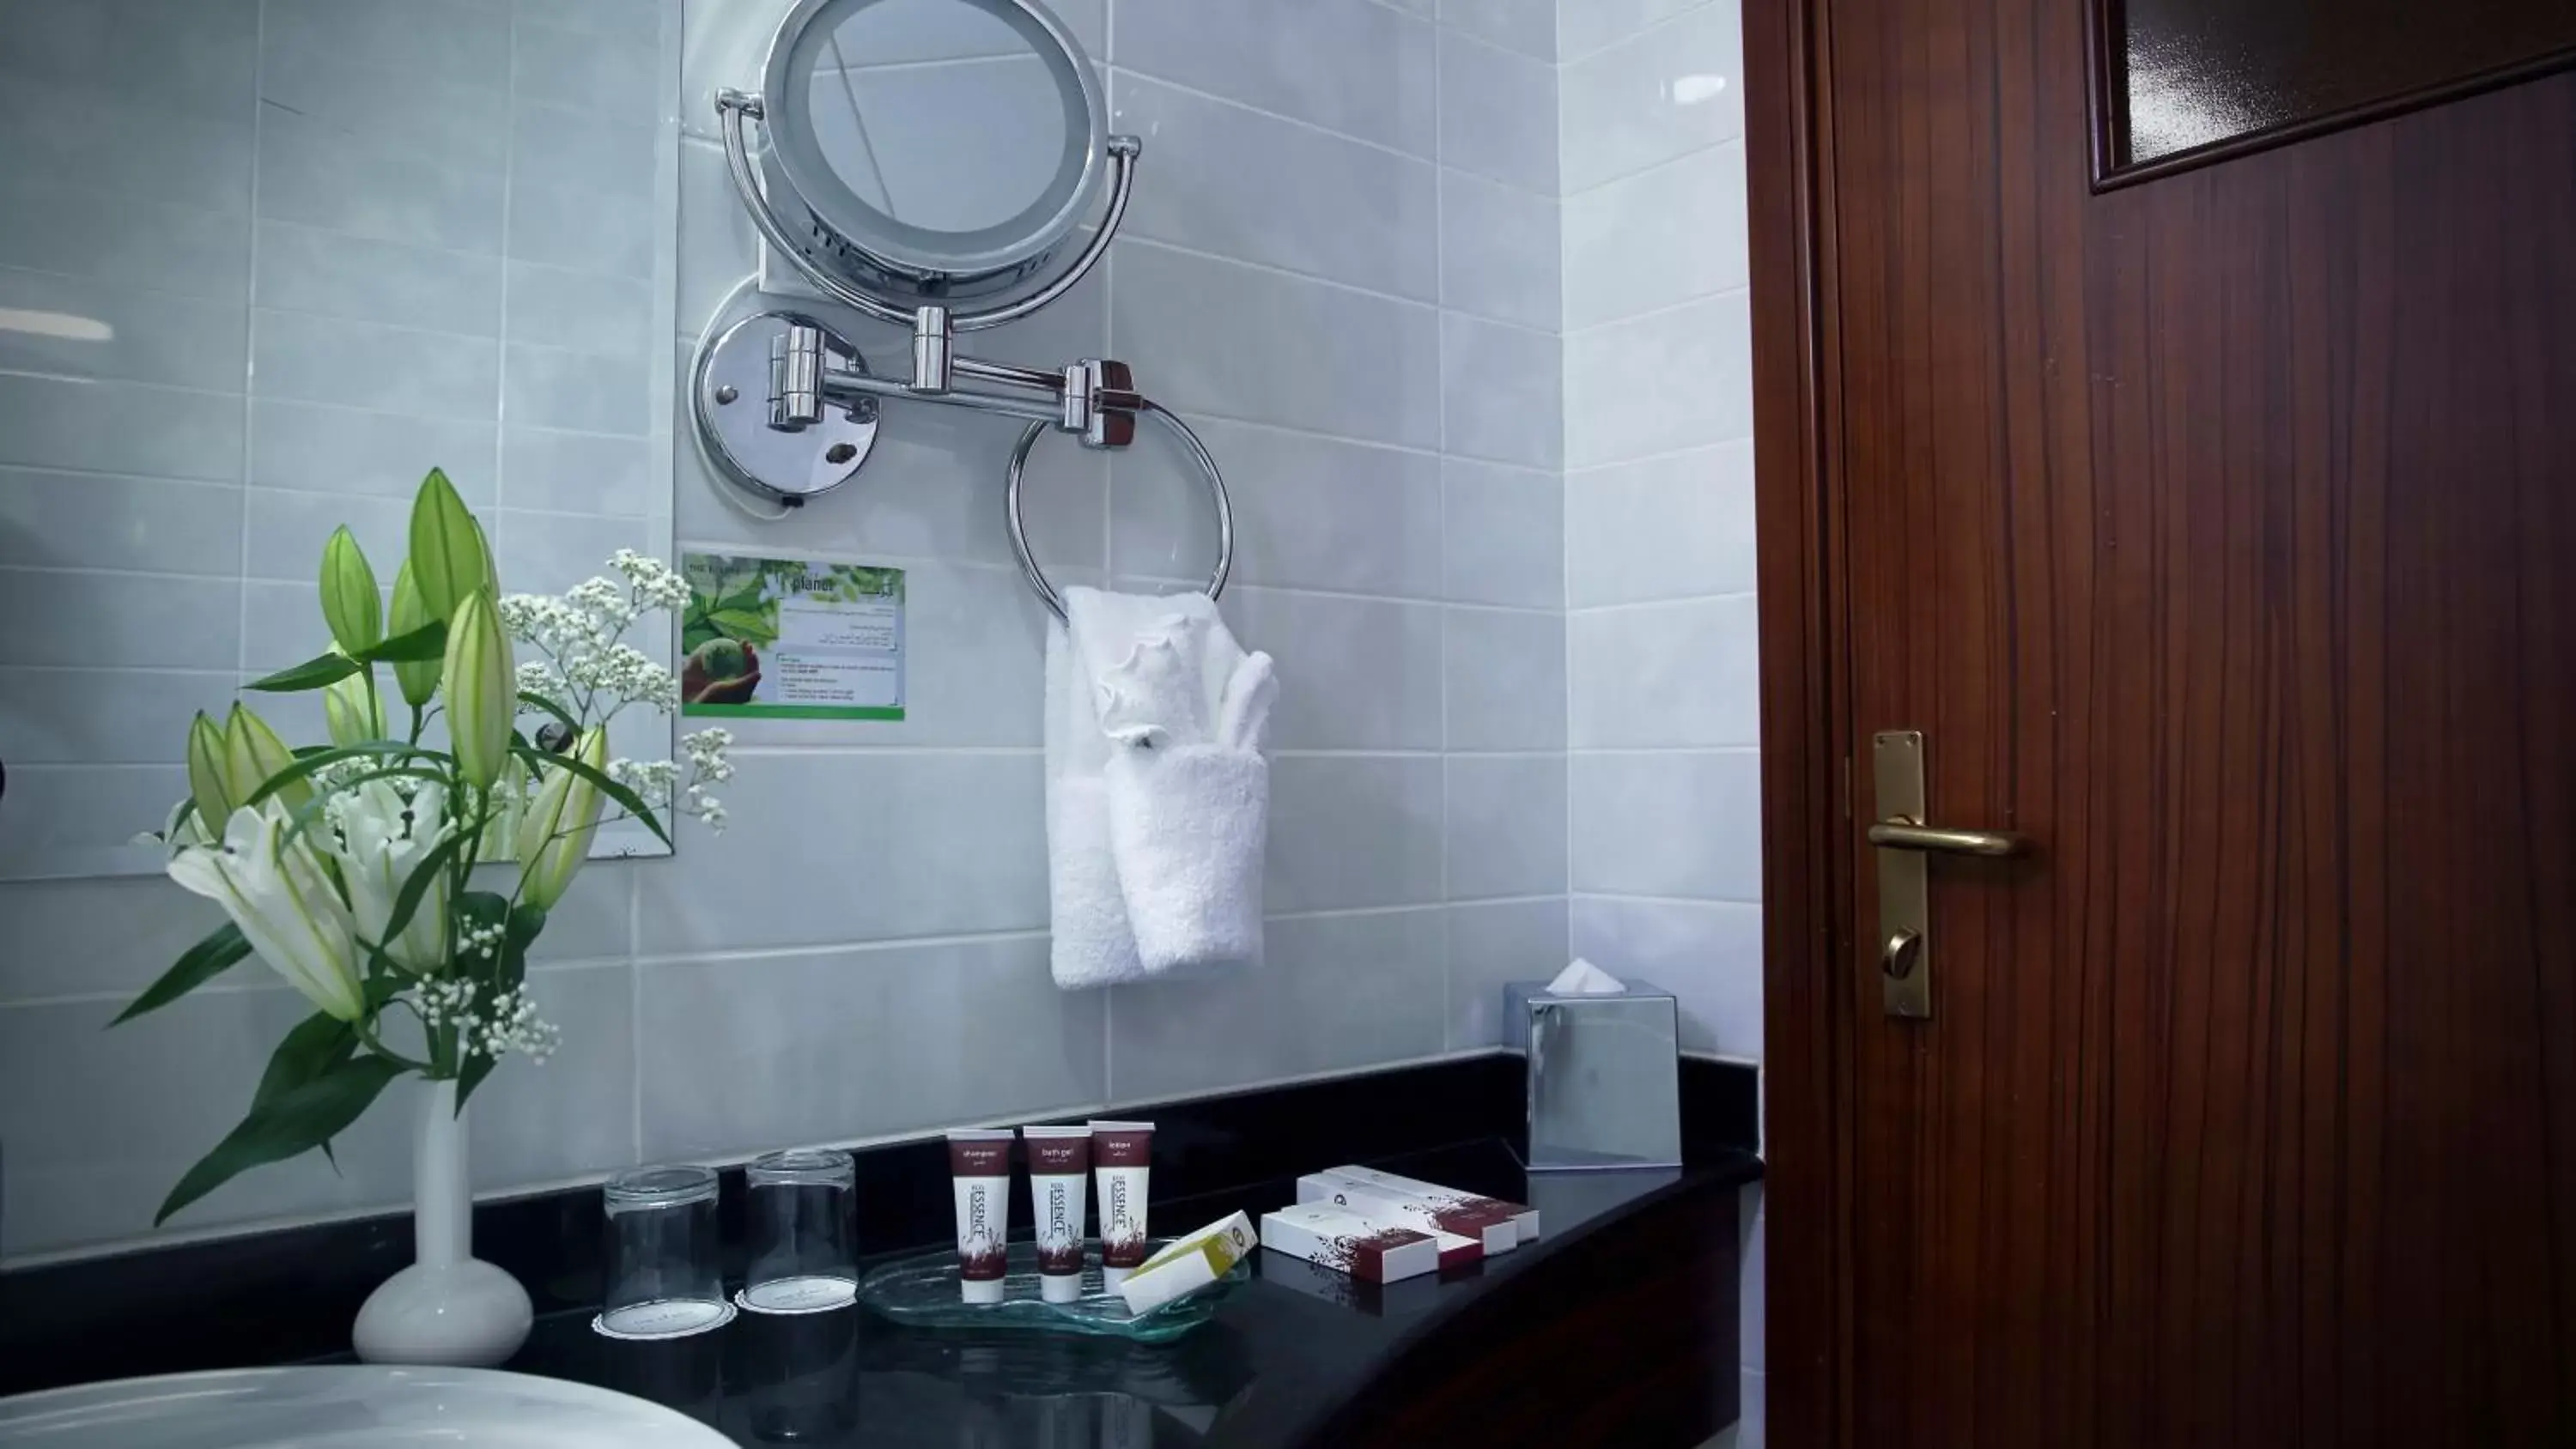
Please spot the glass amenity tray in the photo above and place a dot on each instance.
(921, 1290)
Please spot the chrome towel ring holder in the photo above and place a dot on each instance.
(1198, 453)
(786, 407)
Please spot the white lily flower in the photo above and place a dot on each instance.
(381, 840)
(280, 898)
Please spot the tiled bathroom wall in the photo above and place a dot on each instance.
(1662, 707)
(343, 239)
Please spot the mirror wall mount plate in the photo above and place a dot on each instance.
(932, 154)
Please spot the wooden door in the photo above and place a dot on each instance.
(2218, 531)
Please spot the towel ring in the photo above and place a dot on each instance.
(1198, 452)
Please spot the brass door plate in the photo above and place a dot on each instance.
(1902, 947)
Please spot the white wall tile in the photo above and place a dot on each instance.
(1329, 360)
(562, 146)
(1499, 250)
(550, 387)
(1491, 944)
(1506, 826)
(126, 240)
(1708, 954)
(105, 716)
(304, 358)
(1670, 380)
(1502, 392)
(612, 72)
(917, 845)
(1309, 512)
(1351, 66)
(94, 329)
(1504, 531)
(333, 274)
(309, 174)
(96, 1139)
(582, 227)
(1527, 26)
(1680, 674)
(1498, 114)
(1506, 679)
(829, 1046)
(1664, 528)
(1584, 26)
(581, 311)
(1652, 97)
(335, 449)
(52, 519)
(1362, 989)
(190, 58)
(1656, 239)
(288, 530)
(461, 42)
(1258, 188)
(105, 937)
(583, 472)
(141, 621)
(387, 109)
(1354, 674)
(58, 134)
(52, 423)
(1349, 831)
(1668, 824)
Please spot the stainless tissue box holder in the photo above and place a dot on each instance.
(1604, 1076)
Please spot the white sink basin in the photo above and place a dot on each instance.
(344, 1408)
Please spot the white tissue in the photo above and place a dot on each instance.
(1582, 978)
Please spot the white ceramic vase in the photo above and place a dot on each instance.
(449, 1307)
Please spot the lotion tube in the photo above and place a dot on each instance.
(1122, 1158)
(1059, 1169)
(979, 1168)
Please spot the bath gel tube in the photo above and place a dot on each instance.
(979, 1166)
(1122, 1158)
(1059, 1169)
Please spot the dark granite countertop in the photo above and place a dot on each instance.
(1285, 1351)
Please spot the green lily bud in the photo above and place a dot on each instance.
(349, 602)
(482, 689)
(253, 754)
(417, 678)
(554, 836)
(352, 710)
(208, 780)
(449, 558)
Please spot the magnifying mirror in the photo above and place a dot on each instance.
(932, 149)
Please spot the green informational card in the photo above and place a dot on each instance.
(783, 638)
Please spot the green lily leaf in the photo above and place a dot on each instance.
(196, 966)
(318, 1044)
(429, 641)
(315, 673)
(296, 1120)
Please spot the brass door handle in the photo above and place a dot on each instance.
(1901, 833)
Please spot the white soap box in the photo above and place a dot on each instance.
(1326, 1235)
(1496, 1233)
(1523, 1216)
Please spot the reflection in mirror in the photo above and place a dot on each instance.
(952, 120)
(941, 147)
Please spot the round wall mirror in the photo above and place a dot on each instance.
(939, 148)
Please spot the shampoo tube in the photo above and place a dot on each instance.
(979, 1165)
(1122, 1157)
(1059, 1163)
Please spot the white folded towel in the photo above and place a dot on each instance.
(1091, 944)
(1176, 719)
